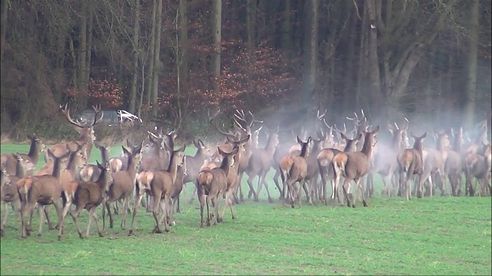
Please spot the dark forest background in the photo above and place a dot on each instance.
(177, 62)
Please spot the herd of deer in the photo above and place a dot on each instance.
(156, 171)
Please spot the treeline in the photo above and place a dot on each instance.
(178, 61)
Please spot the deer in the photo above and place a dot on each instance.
(211, 184)
(434, 160)
(90, 172)
(354, 166)
(478, 165)
(86, 132)
(43, 190)
(88, 196)
(122, 186)
(9, 161)
(453, 166)
(193, 163)
(385, 160)
(325, 159)
(161, 188)
(296, 173)
(260, 162)
(8, 190)
(410, 163)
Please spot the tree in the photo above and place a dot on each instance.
(471, 69)
(217, 38)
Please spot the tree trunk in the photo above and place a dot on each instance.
(5, 4)
(310, 50)
(374, 96)
(136, 54)
(150, 73)
(251, 43)
(471, 69)
(183, 42)
(82, 58)
(157, 62)
(349, 76)
(217, 37)
(287, 27)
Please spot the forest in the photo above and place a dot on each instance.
(175, 63)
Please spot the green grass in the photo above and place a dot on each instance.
(440, 235)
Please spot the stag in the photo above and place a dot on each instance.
(354, 166)
(410, 163)
(86, 132)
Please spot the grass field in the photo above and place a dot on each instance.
(442, 235)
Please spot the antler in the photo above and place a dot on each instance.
(97, 111)
(66, 111)
(220, 130)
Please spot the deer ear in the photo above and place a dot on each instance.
(298, 140)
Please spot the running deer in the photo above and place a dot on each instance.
(43, 190)
(325, 159)
(453, 167)
(294, 171)
(212, 184)
(9, 161)
(259, 164)
(88, 196)
(353, 166)
(411, 163)
(434, 160)
(160, 185)
(122, 186)
(194, 163)
(86, 132)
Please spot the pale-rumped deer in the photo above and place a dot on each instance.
(325, 159)
(43, 190)
(294, 175)
(353, 166)
(161, 189)
(89, 195)
(211, 184)
(411, 163)
(122, 186)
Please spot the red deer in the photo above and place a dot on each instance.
(212, 184)
(9, 161)
(295, 175)
(478, 165)
(325, 159)
(434, 160)
(260, 163)
(89, 195)
(355, 165)
(453, 166)
(161, 189)
(43, 190)
(122, 186)
(411, 163)
(86, 131)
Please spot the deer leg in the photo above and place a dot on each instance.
(135, 209)
(208, 210)
(108, 207)
(4, 218)
(231, 206)
(41, 221)
(266, 188)
(155, 212)
(307, 191)
(46, 214)
(92, 212)
(362, 194)
(89, 221)
(251, 189)
(277, 184)
(202, 200)
(125, 211)
(178, 210)
(346, 190)
(260, 187)
(239, 186)
(75, 216)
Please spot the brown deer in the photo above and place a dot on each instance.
(86, 132)
(194, 163)
(354, 166)
(122, 186)
(325, 159)
(90, 172)
(411, 163)
(434, 160)
(9, 161)
(43, 190)
(211, 184)
(88, 196)
(259, 164)
(453, 167)
(161, 189)
(295, 175)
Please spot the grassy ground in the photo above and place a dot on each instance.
(442, 235)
